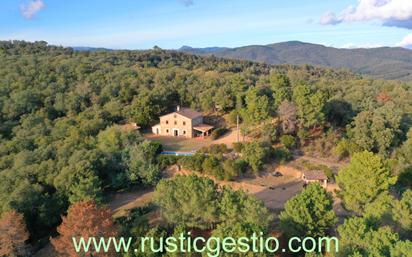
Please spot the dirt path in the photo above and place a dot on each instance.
(273, 191)
(318, 160)
(120, 203)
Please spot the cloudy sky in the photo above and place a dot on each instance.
(137, 24)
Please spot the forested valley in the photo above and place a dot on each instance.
(62, 149)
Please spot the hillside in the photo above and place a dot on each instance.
(381, 63)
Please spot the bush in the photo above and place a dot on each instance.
(255, 154)
(269, 133)
(282, 155)
(193, 163)
(218, 132)
(345, 148)
(215, 149)
(212, 166)
(241, 166)
(165, 161)
(237, 147)
(303, 134)
(288, 141)
(229, 168)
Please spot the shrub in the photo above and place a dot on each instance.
(193, 163)
(282, 154)
(229, 168)
(303, 134)
(255, 154)
(237, 147)
(241, 166)
(165, 161)
(345, 148)
(269, 133)
(288, 141)
(215, 149)
(218, 132)
(212, 166)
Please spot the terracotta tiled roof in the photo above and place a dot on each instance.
(203, 127)
(189, 113)
(314, 175)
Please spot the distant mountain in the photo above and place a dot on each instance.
(382, 62)
(206, 50)
(90, 49)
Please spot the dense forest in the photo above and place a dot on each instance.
(62, 149)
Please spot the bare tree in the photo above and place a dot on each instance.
(288, 116)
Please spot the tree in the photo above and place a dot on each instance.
(13, 234)
(339, 112)
(288, 141)
(402, 249)
(237, 207)
(381, 210)
(114, 139)
(84, 219)
(280, 85)
(141, 163)
(377, 130)
(309, 105)
(240, 215)
(188, 200)
(257, 107)
(310, 213)
(358, 236)
(79, 180)
(402, 211)
(288, 116)
(363, 180)
(254, 153)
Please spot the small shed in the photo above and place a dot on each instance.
(311, 176)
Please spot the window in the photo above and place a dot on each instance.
(184, 132)
(167, 131)
(167, 122)
(174, 116)
(184, 123)
(175, 122)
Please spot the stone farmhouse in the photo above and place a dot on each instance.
(184, 122)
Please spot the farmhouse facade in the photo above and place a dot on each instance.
(184, 122)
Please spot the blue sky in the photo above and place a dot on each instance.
(138, 24)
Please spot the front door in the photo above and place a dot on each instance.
(176, 132)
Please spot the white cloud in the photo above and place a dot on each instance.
(328, 18)
(30, 9)
(406, 41)
(353, 46)
(366, 10)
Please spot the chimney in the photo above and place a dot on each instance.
(178, 108)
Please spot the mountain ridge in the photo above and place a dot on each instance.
(381, 62)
